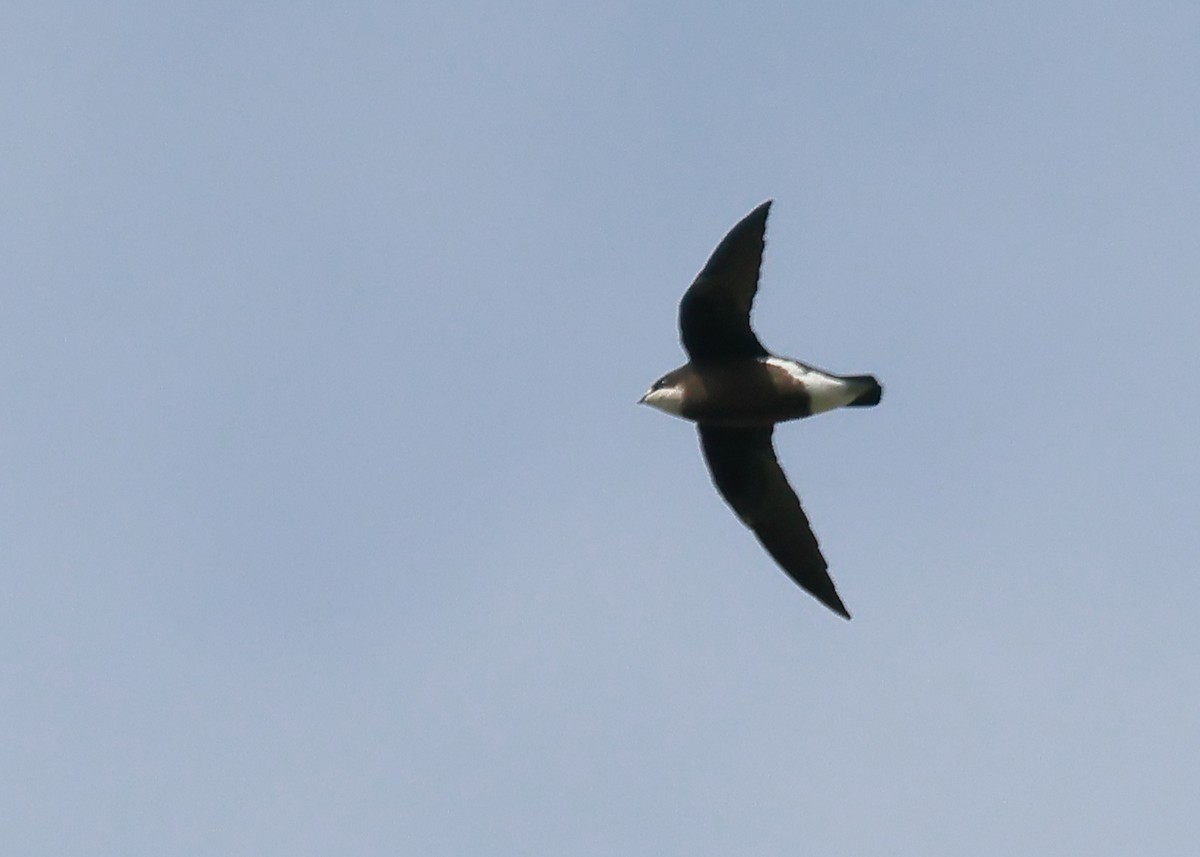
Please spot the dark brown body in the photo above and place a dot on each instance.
(740, 393)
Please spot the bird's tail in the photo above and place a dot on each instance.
(871, 391)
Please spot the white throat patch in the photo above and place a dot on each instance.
(666, 399)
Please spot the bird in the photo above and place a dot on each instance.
(736, 391)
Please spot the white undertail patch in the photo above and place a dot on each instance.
(825, 391)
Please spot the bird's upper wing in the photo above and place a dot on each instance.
(714, 315)
(744, 468)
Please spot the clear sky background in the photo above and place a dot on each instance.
(328, 524)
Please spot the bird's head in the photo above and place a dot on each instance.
(666, 394)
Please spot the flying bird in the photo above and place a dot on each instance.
(736, 391)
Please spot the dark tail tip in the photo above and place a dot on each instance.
(870, 395)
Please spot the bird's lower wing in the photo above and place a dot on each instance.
(745, 470)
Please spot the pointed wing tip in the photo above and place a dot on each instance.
(762, 209)
(754, 223)
(834, 603)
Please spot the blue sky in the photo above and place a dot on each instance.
(327, 520)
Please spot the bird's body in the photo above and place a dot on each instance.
(736, 391)
(758, 391)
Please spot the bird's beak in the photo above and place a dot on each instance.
(642, 400)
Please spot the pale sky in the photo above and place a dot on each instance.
(328, 524)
